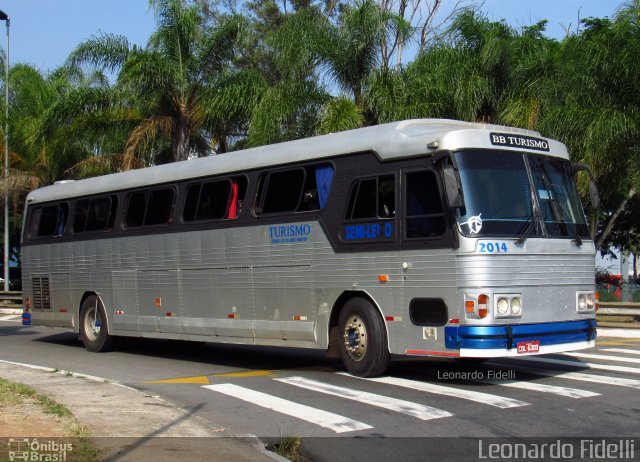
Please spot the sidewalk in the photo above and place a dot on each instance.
(132, 426)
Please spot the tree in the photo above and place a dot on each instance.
(286, 54)
(592, 104)
(40, 154)
(182, 87)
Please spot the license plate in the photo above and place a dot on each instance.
(530, 346)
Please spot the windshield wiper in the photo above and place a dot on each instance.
(531, 224)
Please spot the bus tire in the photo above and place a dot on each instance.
(93, 326)
(363, 339)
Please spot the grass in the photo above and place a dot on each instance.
(288, 447)
(15, 394)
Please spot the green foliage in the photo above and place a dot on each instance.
(211, 81)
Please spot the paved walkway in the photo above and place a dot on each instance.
(132, 426)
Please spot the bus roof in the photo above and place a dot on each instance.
(389, 141)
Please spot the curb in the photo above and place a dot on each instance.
(131, 425)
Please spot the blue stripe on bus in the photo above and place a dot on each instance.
(484, 337)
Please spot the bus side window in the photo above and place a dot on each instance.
(423, 208)
(61, 221)
(372, 198)
(136, 206)
(145, 208)
(159, 206)
(214, 200)
(95, 214)
(100, 214)
(303, 189)
(49, 220)
(282, 191)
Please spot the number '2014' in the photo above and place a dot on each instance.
(491, 247)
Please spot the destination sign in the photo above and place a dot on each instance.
(519, 141)
(368, 232)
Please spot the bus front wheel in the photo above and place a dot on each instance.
(363, 339)
(93, 326)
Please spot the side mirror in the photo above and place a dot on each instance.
(594, 196)
(452, 187)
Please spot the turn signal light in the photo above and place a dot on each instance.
(470, 306)
(483, 305)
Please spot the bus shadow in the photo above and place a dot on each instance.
(60, 338)
(231, 356)
(11, 331)
(242, 357)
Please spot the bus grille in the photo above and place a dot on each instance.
(41, 294)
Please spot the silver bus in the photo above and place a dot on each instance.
(415, 238)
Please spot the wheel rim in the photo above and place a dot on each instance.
(92, 324)
(355, 338)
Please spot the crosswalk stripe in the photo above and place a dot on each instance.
(619, 359)
(544, 388)
(622, 350)
(334, 422)
(604, 367)
(602, 379)
(480, 397)
(11, 317)
(393, 404)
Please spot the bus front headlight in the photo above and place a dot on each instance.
(507, 306)
(585, 302)
(503, 306)
(516, 306)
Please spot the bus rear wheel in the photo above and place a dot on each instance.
(93, 326)
(363, 339)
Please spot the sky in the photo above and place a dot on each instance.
(44, 32)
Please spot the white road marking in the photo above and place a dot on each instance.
(393, 404)
(619, 359)
(604, 367)
(560, 374)
(622, 350)
(544, 388)
(11, 317)
(480, 397)
(334, 422)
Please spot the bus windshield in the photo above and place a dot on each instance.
(511, 194)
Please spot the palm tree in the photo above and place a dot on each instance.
(351, 51)
(41, 153)
(180, 88)
(286, 54)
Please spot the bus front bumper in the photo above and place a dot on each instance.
(521, 339)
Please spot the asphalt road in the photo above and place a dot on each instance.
(419, 411)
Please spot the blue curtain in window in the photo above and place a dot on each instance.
(60, 222)
(324, 178)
